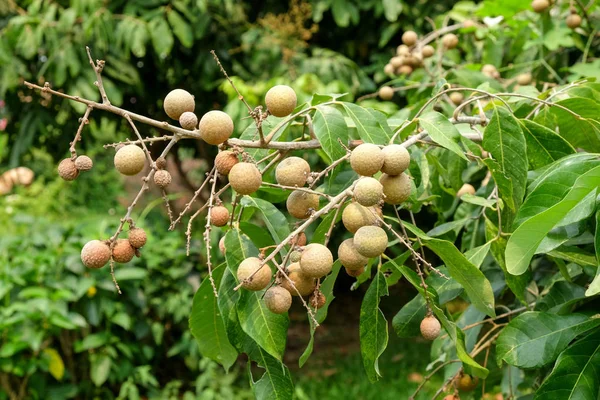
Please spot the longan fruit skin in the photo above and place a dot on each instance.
(245, 178)
(356, 216)
(177, 102)
(130, 160)
(95, 254)
(397, 61)
(123, 251)
(219, 216)
(366, 159)
(405, 70)
(349, 256)
(260, 280)
(456, 98)
(162, 178)
(385, 93)
(388, 69)
(466, 188)
(317, 300)
(281, 100)
(430, 328)
(316, 261)
(222, 245)
(137, 237)
(67, 170)
(370, 241)
(188, 120)
(524, 79)
(292, 171)
(215, 127)
(396, 159)
(402, 50)
(225, 160)
(83, 163)
(490, 71)
(368, 191)
(278, 300)
(573, 21)
(409, 38)
(539, 6)
(355, 273)
(450, 41)
(303, 284)
(396, 189)
(427, 51)
(300, 203)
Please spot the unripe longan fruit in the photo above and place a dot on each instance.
(177, 102)
(259, 280)
(350, 257)
(162, 178)
(317, 300)
(278, 300)
(219, 216)
(466, 383)
(355, 273)
(67, 170)
(303, 284)
(409, 38)
(215, 127)
(402, 50)
(300, 204)
(386, 93)
(95, 254)
(405, 70)
(281, 100)
(573, 21)
(450, 41)
(356, 216)
(366, 159)
(396, 159)
(524, 79)
(430, 328)
(188, 120)
(467, 188)
(456, 98)
(123, 252)
(292, 171)
(130, 160)
(395, 188)
(295, 256)
(388, 69)
(316, 261)
(368, 191)
(83, 163)
(225, 160)
(539, 6)
(245, 178)
(137, 237)
(427, 51)
(370, 241)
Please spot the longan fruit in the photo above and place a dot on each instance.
(539, 6)
(317, 300)
(300, 203)
(430, 327)
(573, 21)
(450, 41)
(162, 178)
(356, 216)
(278, 300)
(225, 160)
(350, 258)
(123, 251)
(385, 93)
(397, 61)
(366, 159)
(299, 240)
(95, 254)
(188, 120)
(490, 71)
(316, 261)
(245, 178)
(295, 256)
(137, 237)
(355, 273)
(219, 216)
(222, 245)
(281, 100)
(427, 51)
(215, 127)
(368, 191)
(469, 23)
(67, 170)
(292, 171)
(396, 159)
(370, 241)
(466, 188)
(396, 189)
(405, 70)
(177, 102)
(259, 280)
(130, 160)
(388, 69)
(456, 98)
(83, 163)
(524, 79)
(403, 50)
(466, 383)
(303, 284)
(409, 38)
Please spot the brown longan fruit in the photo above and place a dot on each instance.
(316, 261)
(245, 178)
(396, 159)
(573, 21)
(219, 216)
(259, 280)
(222, 245)
(225, 160)
(292, 171)
(83, 163)
(490, 71)
(281, 100)
(430, 327)
(368, 191)
(402, 50)
(356, 216)
(162, 178)
(317, 300)
(188, 120)
(466, 188)
(409, 38)
(67, 170)
(366, 159)
(450, 41)
(388, 69)
(469, 23)
(123, 251)
(350, 258)
(278, 300)
(370, 241)
(161, 163)
(427, 51)
(539, 6)
(524, 79)
(396, 189)
(215, 127)
(300, 204)
(456, 98)
(130, 160)
(137, 237)
(405, 70)
(303, 284)
(95, 254)
(355, 273)
(397, 62)
(177, 102)
(385, 93)
(466, 383)
(299, 240)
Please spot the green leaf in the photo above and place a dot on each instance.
(181, 28)
(561, 298)
(162, 38)
(407, 321)
(373, 327)
(442, 131)
(369, 128)
(99, 368)
(594, 287)
(581, 132)
(544, 146)
(527, 237)
(330, 128)
(276, 382)
(535, 339)
(576, 375)
(206, 323)
(274, 219)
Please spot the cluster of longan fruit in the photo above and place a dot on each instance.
(573, 20)
(97, 253)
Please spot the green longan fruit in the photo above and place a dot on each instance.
(215, 127)
(368, 191)
(137, 237)
(386, 93)
(292, 171)
(456, 98)
(219, 216)
(316, 261)
(300, 203)
(450, 41)
(428, 51)
(396, 159)
(281, 100)
(278, 300)
(366, 159)
(573, 21)
(539, 6)
(259, 280)
(177, 102)
(467, 188)
(123, 251)
(396, 189)
(409, 38)
(67, 170)
(225, 160)
(466, 383)
(370, 241)
(430, 328)
(245, 178)
(295, 256)
(350, 258)
(356, 216)
(524, 79)
(95, 254)
(303, 284)
(130, 160)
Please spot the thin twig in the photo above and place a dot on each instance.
(83, 121)
(98, 67)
